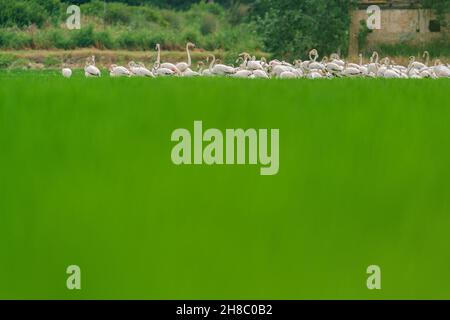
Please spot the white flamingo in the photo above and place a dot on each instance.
(250, 62)
(190, 73)
(183, 66)
(242, 73)
(119, 71)
(90, 70)
(441, 70)
(288, 75)
(219, 69)
(139, 70)
(66, 72)
(206, 72)
(165, 65)
(260, 74)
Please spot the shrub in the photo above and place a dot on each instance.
(172, 19)
(104, 40)
(118, 13)
(6, 60)
(21, 13)
(152, 15)
(51, 61)
(84, 37)
(60, 39)
(94, 8)
(153, 38)
(238, 13)
(15, 39)
(191, 35)
(135, 27)
(208, 24)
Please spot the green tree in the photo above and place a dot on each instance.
(441, 7)
(291, 27)
(22, 13)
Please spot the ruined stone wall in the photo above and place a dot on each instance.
(397, 26)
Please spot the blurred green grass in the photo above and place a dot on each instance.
(86, 178)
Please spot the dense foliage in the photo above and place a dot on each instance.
(291, 27)
(22, 13)
(122, 26)
(286, 28)
(441, 7)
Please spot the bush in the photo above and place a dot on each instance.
(129, 40)
(84, 37)
(238, 13)
(117, 13)
(127, 27)
(152, 15)
(59, 39)
(94, 8)
(50, 61)
(104, 40)
(291, 28)
(208, 24)
(6, 60)
(191, 35)
(172, 19)
(14, 39)
(22, 13)
(436, 48)
(153, 38)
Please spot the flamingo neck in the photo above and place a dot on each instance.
(212, 63)
(158, 59)
(189, 55)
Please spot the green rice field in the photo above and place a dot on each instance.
(86, 179)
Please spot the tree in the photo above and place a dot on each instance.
(292, 27)
(441, 7)
(22, 13)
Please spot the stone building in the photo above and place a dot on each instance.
(402, 21)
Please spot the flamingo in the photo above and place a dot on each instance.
(288, 74)
(373, 65)
(242, 74)
(90, 70)
(165, 65)
(219, 69)
(250, 62)
(162, 72)
(190, 73)
(441, 70)
(350, 70)
(389, 72)
(66, 72)
(183, 66)
(260, 74)
(314, 75)
(336, 59)
(139, 70)
(119, 71)
(200, 66)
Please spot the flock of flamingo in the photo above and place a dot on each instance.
(250, 67)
